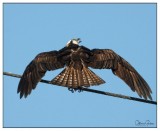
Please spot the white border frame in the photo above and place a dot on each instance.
(76, 1)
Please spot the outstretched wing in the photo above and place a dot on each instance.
(36, 70)
(107, 59)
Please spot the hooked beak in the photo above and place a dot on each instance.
(79, 40)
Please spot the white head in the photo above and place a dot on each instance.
(74, 41)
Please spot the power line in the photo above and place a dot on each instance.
(93, 91)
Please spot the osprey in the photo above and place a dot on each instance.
(77, 60)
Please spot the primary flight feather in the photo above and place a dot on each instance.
(76, 60)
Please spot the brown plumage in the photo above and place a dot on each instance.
(71, 77)
(76, 60)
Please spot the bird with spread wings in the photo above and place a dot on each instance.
(76, 61)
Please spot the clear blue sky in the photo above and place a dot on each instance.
(128, 29)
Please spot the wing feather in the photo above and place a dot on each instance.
(108, 59)
(37, 68)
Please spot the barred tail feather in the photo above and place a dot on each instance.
(64, 82)
(71, 77)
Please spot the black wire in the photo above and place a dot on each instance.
(93, 91)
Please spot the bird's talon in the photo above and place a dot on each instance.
(71, 89)
(79, 89)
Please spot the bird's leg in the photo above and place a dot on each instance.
(79, 89)
(71, 89)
